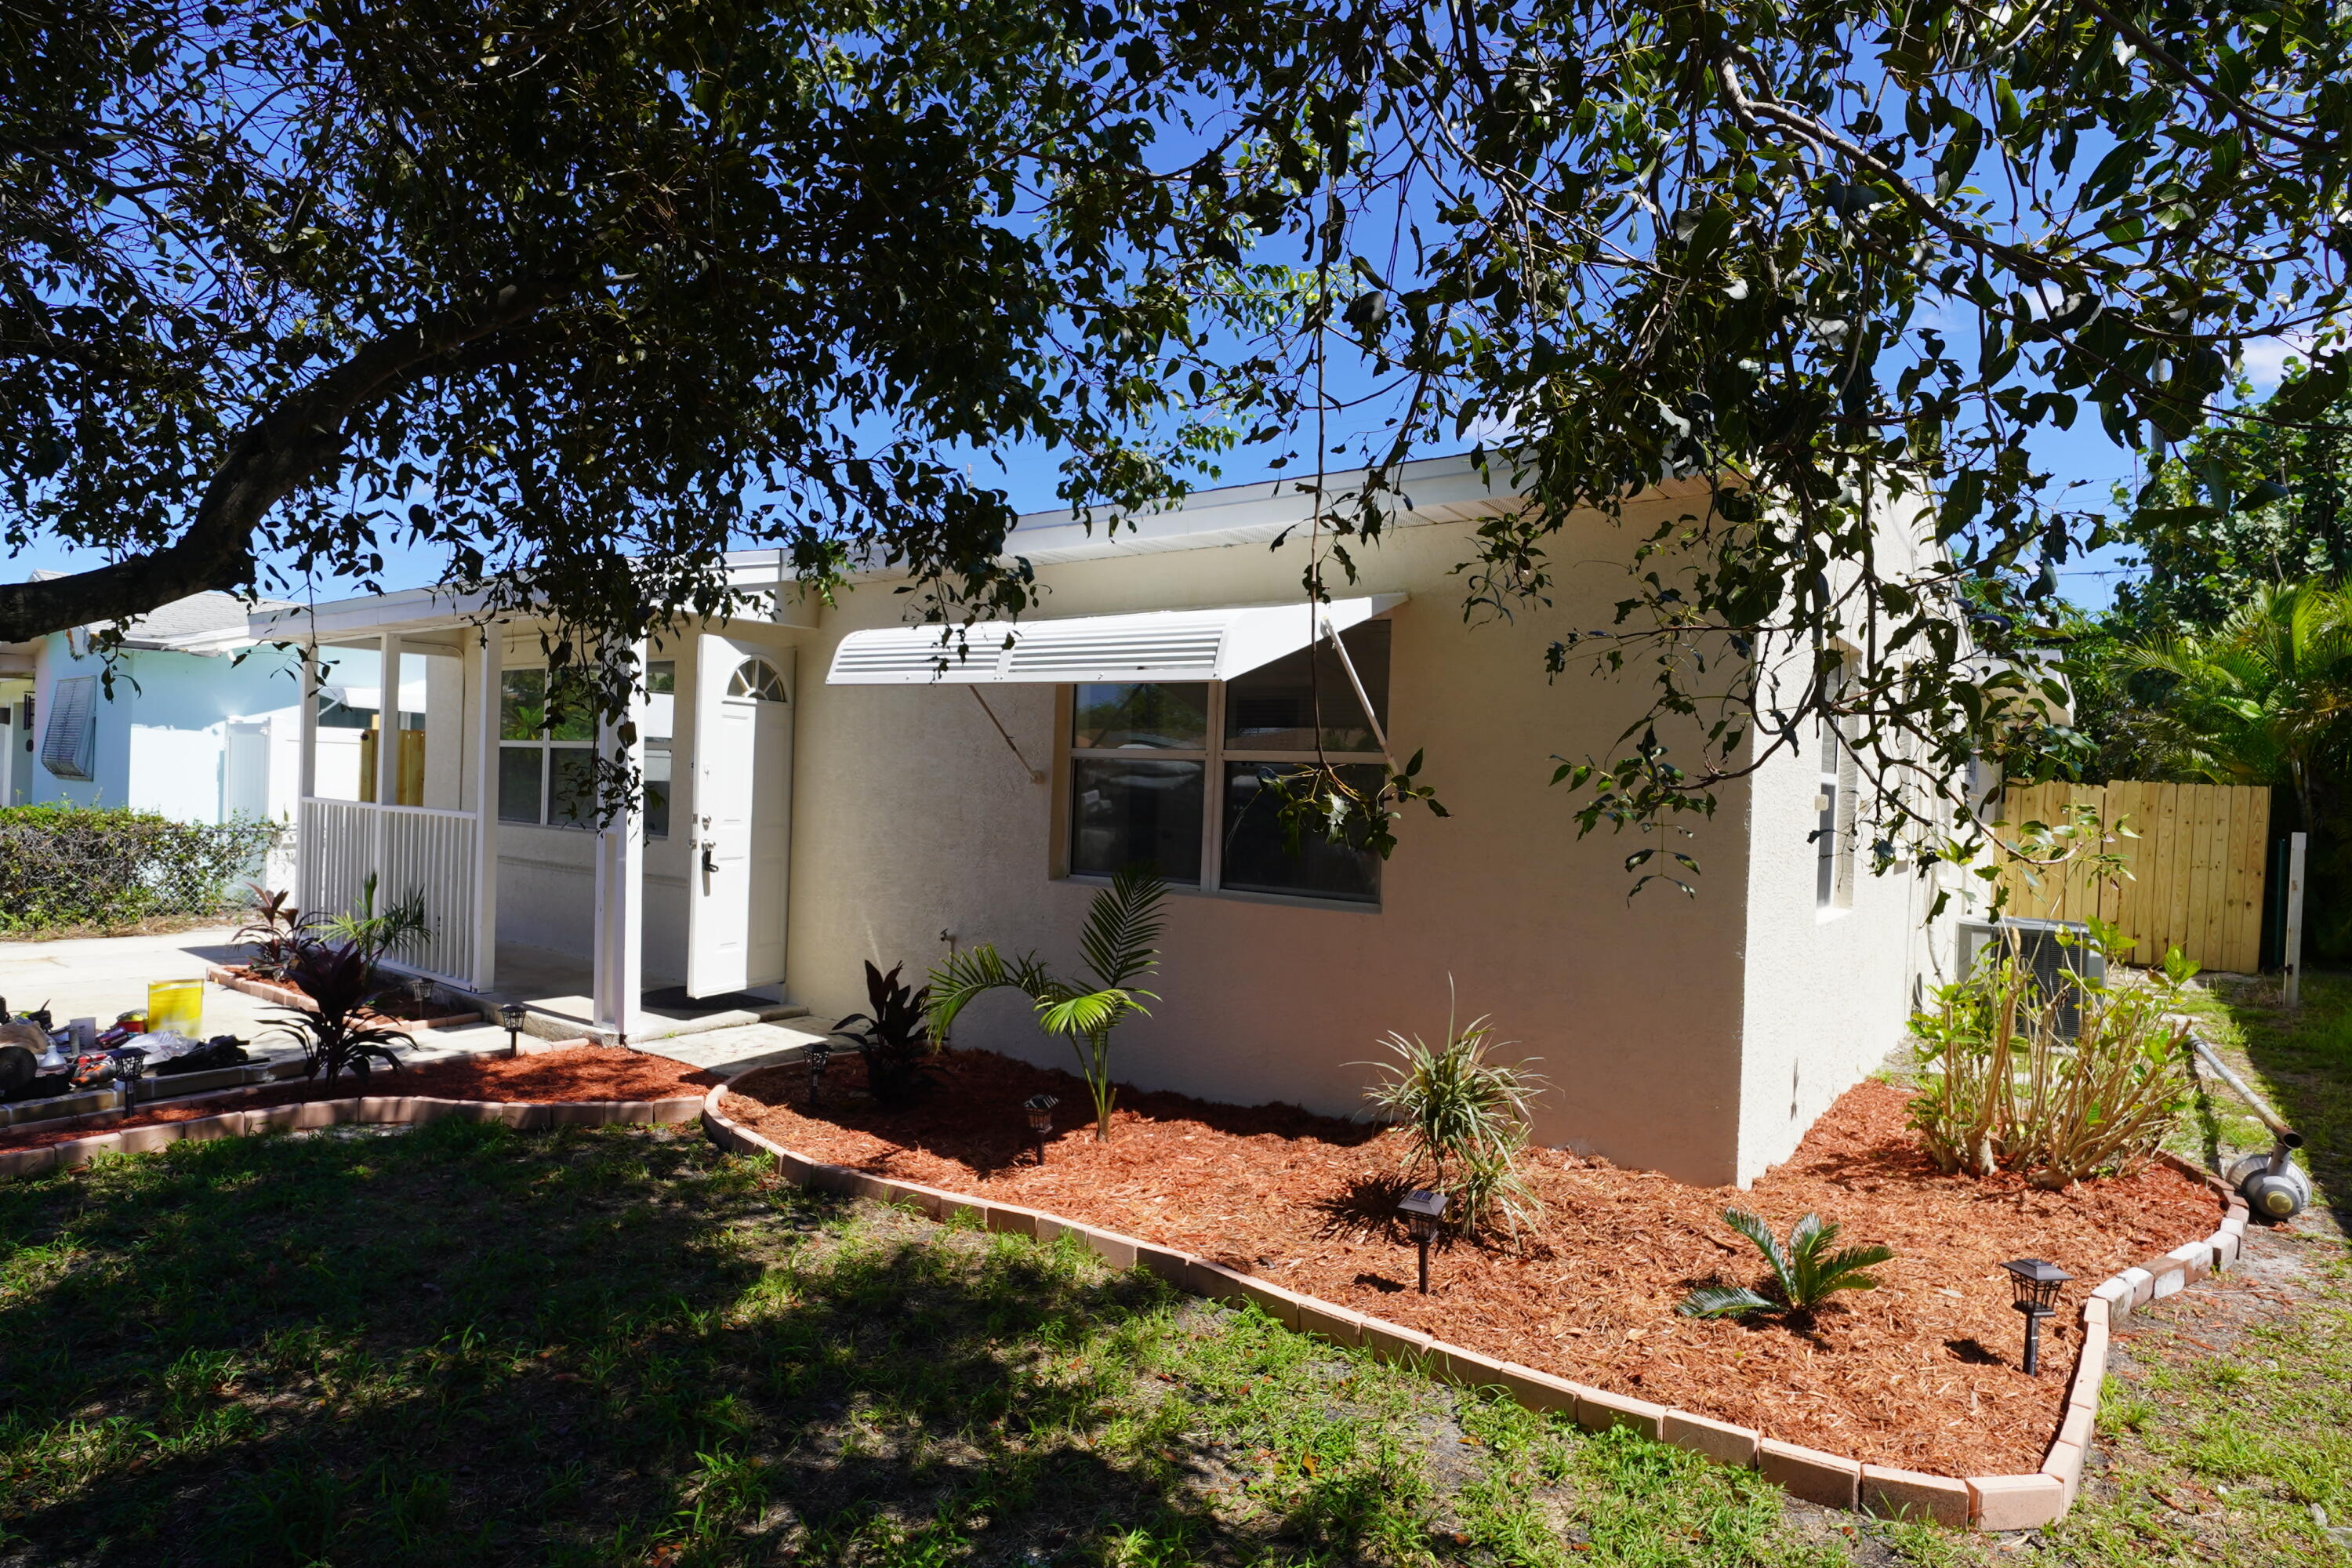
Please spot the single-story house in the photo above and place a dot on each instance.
(820, 793)
(199, 723)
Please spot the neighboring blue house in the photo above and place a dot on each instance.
(200, 724)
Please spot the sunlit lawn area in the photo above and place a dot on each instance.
(463, 1345)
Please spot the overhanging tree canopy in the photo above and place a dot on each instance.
(600, 290)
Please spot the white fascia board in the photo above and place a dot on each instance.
(411, 610)
(1156, 645)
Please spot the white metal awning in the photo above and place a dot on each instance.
(1163, 645)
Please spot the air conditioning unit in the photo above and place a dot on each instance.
(2057, 968)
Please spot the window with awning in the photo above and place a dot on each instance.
(1182, 725)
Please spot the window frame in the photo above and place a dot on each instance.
(1213, 757)
(546, 745)
(1836, 782)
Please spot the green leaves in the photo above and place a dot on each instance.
(1805, 1273)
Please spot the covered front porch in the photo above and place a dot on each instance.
(435, 760)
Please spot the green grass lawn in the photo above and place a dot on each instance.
(465, 1344)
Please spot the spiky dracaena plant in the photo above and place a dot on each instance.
(1805, 1273)
(1464, 1119)
(1122, 925)
(336, 1034)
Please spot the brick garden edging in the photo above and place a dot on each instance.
(1984, 1502)
(386, 1110)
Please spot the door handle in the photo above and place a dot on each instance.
(709, 856)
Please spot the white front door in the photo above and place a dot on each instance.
(742, 832)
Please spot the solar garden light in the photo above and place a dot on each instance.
(1040, 1108)
(420, 992)
(2035, 1285)
(512, 1013)
(1424, 1211)
(820, 1053)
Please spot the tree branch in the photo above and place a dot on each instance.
(293, 443)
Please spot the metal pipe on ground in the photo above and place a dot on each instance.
(2271, 1183)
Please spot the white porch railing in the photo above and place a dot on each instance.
(410, 849)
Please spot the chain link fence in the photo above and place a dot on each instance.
(64, 868)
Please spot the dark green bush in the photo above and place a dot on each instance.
(63, 868)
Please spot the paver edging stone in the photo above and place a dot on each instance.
(1985, 1502)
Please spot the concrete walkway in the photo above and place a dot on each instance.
(103, 977)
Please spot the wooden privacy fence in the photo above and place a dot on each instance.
(2196, 880)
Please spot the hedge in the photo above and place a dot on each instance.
(65, 867)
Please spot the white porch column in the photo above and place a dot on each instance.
(483, 779)
(620, 875)
(387, 739)
(306, 767)
(306, 783)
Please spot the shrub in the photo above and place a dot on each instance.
(273, 929)
(2000, 1088)
(1122, 925)
(338, 1036)
(64, 866)
(1466, 1124)
(1805, 1273)
(892, 1039)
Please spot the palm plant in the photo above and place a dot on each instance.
(1805, 1273)
(2263, 699)
(1122, 925)
(399, 928)
(336, 1034)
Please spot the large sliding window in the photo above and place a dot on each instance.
(1178, 774)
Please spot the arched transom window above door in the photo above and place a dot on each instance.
(756, 677)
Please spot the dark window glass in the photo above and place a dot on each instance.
(570, 787)
(522, 704)
(520, 786)
(1257, 855)
(657, 791)
(1148, 717)
(661, 677)
(1125, 812)
(333, 715)
(571, 709)
(1272, 708)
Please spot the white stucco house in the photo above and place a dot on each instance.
(199, 723)
(821, 794)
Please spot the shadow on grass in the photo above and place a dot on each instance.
(465, 1344)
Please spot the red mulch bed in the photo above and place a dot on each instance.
(1918, 1373)
(580, 1072)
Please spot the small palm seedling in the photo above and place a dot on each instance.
(1465, 1122)
(1121, 927)
(339, 1035)
(1805, 1273)
(893, 1038)
(401, 927)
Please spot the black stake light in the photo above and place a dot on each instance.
(420, 993)
(820, 1055)
(1424, 1213)
(2035, 1286)
(1040, 1108)
(511, 1014)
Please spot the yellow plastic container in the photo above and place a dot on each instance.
(177, 1004)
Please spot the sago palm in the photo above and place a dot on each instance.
(1117, 944)
(1805, 1273)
